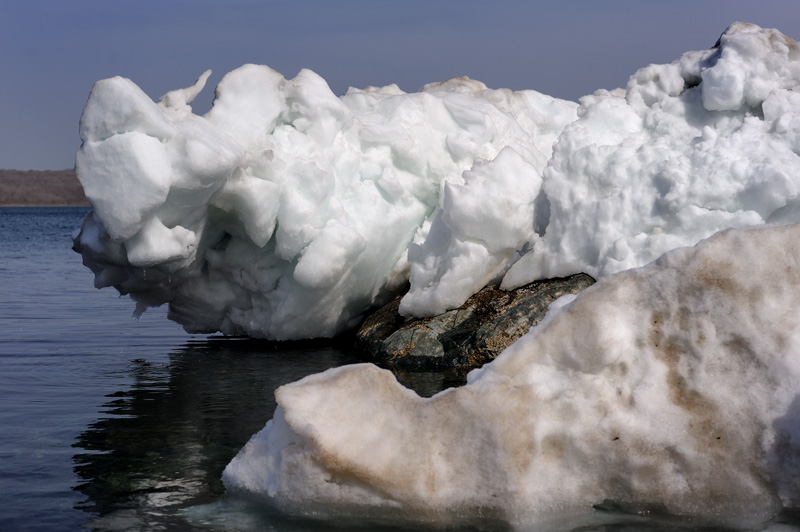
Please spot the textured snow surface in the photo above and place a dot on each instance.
(707, 142)
(286, 212)
(673, 386)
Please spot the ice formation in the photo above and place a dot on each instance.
(286, 212)
(474, 236)
(707, 142)
(672, 386)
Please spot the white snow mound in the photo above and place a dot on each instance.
(286, 212)
(672, 386)
(707, 142)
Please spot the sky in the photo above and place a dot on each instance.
(52, 51)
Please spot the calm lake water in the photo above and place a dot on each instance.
(113, 424)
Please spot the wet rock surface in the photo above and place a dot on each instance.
(462, 338)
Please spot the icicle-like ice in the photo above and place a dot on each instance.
(286, 212)
(673, 386)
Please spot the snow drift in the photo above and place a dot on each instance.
(286, 212)
(672, 386)
(707, 142)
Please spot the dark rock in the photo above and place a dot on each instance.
(462, 338)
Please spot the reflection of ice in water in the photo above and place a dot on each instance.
(163, 442)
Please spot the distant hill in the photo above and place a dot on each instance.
(40, 188)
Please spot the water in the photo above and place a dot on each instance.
(112, 424)
(106, 420)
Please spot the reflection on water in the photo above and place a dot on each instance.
(164, 442)
(154, 459)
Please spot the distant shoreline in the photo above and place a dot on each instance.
(41, 188)
(29, 206)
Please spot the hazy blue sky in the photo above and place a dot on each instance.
(52, 51)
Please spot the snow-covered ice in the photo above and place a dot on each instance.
(286, 212)
(670, 387)
(473, 237)
(707, 142)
